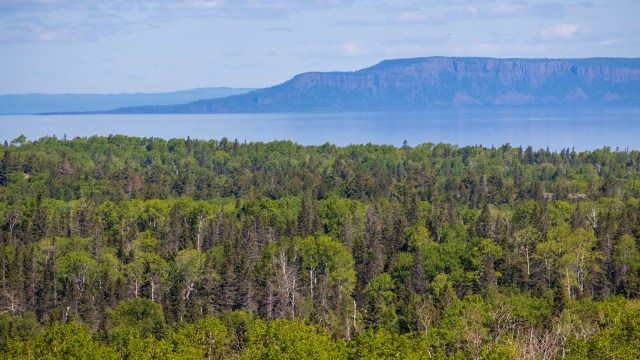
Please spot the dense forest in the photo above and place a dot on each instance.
(144, 248)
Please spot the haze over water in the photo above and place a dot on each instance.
(555, 128)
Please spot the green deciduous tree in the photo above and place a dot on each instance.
(188, 271)
(289, 339)
(578, 263)
(67, 341)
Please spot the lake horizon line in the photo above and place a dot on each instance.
(582, 128)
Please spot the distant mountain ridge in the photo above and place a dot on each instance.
(437, 82)
(43, 103)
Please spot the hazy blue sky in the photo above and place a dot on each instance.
(57, 46)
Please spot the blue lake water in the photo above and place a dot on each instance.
(582, 128)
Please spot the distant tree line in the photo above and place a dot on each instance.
(125, 247)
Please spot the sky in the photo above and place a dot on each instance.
(124, 46)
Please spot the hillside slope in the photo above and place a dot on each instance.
(42, 103)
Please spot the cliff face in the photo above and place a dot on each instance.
(440, 82)
(510, 71)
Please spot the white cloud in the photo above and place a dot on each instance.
(61, 35)
(610, 41)
(68, 26)
(458, 11)
(56, 14)
(560, 32)
(449, 3)
(506, 49)
(281, 29)
(408, 17)
(405, 50)
(508, 9)
(348, 49)
(488, 48)
(463, 12)
(200, 5)
(521, 8)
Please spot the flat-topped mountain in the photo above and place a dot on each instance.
(437, 82)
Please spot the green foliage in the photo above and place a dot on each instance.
(135, 319)
(325, 256)
(382, 344)
(14, 329)
(186, 248)
(284, 339)
(618, 336)
(208, 338)
(66, 341)
(380, 302)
